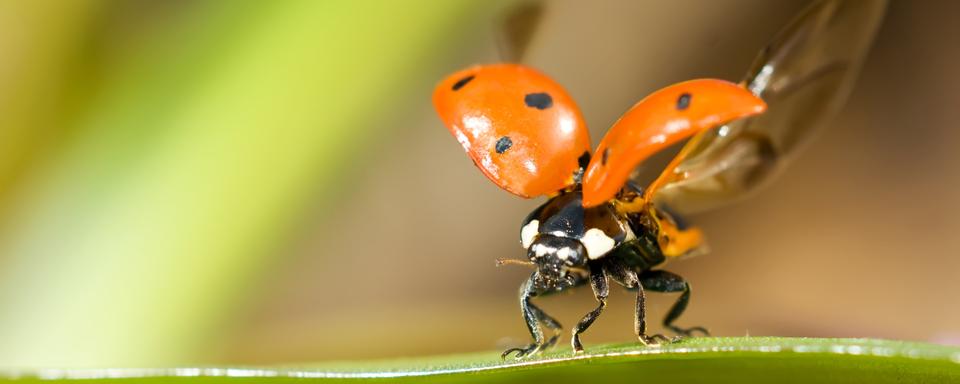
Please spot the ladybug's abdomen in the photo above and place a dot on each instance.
(640, 254)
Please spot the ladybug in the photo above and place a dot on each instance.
(598, 224)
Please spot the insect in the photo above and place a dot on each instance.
(526, 134)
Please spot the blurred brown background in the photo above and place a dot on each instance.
(856, 239)
(252, 182)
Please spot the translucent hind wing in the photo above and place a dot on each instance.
(805, 75)
(515, 29)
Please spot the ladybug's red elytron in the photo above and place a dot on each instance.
(527, 135)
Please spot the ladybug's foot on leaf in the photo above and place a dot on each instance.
(683, 333)
(689, 332)
(576, 344)
(655, 339)
(527, 351)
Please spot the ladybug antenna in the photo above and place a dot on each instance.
(503, 261)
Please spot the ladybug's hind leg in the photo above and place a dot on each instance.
(663, 281)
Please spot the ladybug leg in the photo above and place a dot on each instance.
(549, 322)
(663, 281)
(533, 316)
(627, 277)
(640, 318)
(598, 281)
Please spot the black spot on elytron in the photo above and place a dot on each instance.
(503, 144)
(683, 102)
(538, 100)
(460, 83)
(604, 156)
(584, 159)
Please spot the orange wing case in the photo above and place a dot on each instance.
(519, 126)
(666, 117)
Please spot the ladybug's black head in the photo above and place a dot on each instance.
(560, 261)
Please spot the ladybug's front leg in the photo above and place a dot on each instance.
(533, 316)
(598, 281)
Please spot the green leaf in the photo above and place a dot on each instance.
(715, 360)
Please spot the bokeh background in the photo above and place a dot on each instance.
(211, 182)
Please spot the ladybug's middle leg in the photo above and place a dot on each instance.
(628, 277)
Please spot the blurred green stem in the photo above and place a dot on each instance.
(195, 159)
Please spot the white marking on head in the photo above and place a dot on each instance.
(564, 253)
(540, 249)
(528, 232)
(597, 243)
